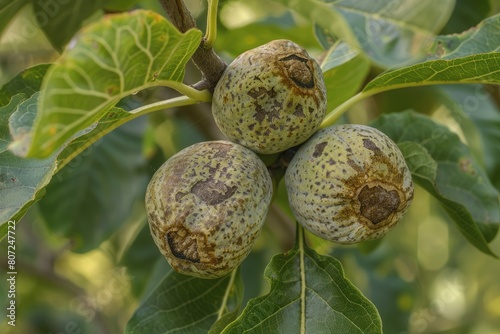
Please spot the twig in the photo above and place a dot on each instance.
(205, 58)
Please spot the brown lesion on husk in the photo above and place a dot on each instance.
(377, 198)
(183, 244)
(299, 70)
(191, 248)
(377, 203)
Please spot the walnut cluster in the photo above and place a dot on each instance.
(207, 204)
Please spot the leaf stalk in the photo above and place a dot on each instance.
(211, 33)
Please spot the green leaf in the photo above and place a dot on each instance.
(344, 70)
(444, 166)
(480, 68)
(5, 113)
(21, 122)
(472, 57)
(94, 194)
(230, 307)
(394, 33)
(61, 20)
(21, 180)
(467, 13)
(142, 250)
(35, 174)
(476, 104)
(108, 60)
(27, 82)
(484, 38)
(184, 304)
(378, 272)
(309, 294)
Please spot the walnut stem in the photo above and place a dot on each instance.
(205, 58)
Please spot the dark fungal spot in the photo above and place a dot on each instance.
(257, 92)
(377, 203)
(273, 113)
(367, 143)
(318, 149)
(260, 113)
(299, 112)
(212, 191)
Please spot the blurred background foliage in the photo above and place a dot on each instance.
(424, 277)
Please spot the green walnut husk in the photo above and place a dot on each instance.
(349, 183)
(270, 98)
(206, 206)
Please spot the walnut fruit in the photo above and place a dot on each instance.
(270, 98)
(349, 183)
(206, 206)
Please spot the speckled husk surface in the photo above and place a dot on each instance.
(349, 183)
(270, 98)
(206, 206)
